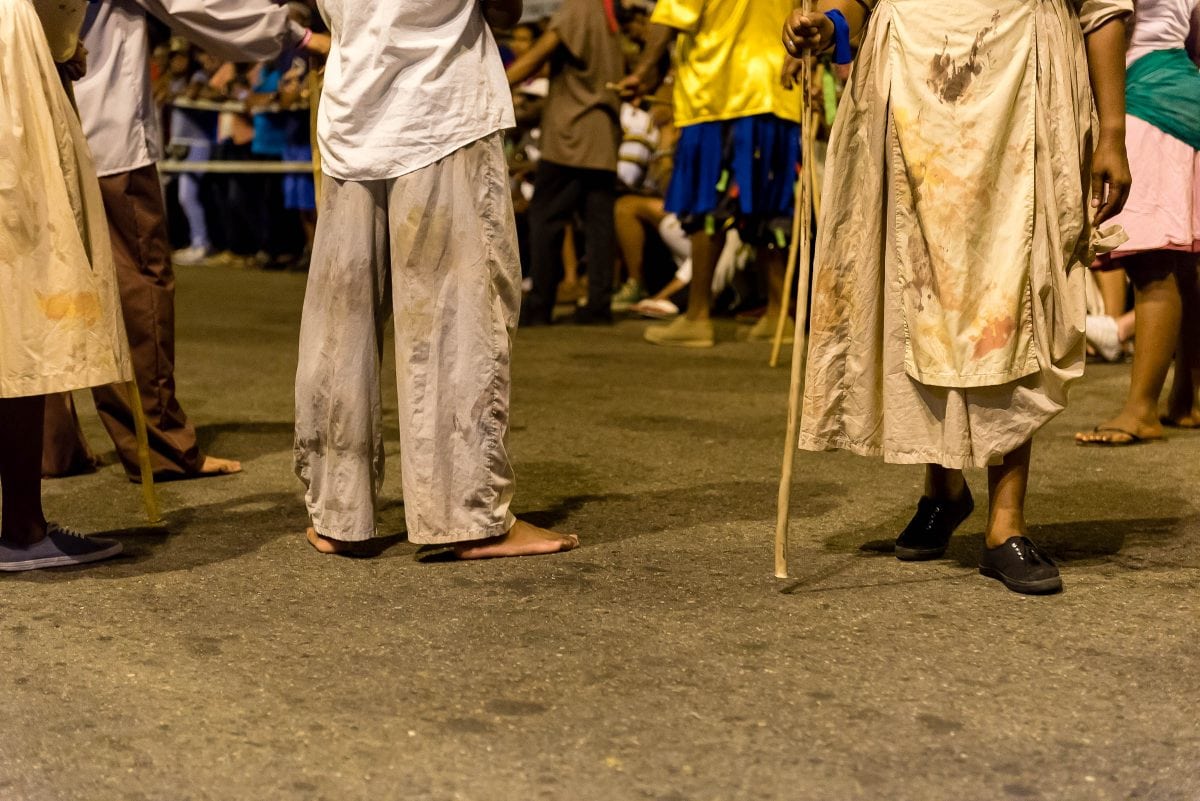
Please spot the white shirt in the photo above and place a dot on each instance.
(1160, 25)
(114, 98)
(408, 82)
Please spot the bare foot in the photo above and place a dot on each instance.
(1121, 430)
(523, 539)
(219, 467)
(1183, 411)
(328, 545)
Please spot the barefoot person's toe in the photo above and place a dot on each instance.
(213, 466)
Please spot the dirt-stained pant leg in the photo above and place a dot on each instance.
(457, 293)
(339, 426)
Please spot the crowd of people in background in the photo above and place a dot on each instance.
(261, 113)
(258, 115)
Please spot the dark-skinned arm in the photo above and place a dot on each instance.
(502, 14)
(1110, 164)
(646, 76)
(534, 59)
(813, 31)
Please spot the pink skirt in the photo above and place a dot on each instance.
(1163, 210)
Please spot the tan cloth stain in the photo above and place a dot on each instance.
(83, 306)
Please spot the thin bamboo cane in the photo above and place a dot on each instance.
(800, 347)
(815, 183)
(149, 496)
(790, 273)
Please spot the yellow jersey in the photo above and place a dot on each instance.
(728, 59)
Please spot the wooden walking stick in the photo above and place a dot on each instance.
(793, 253)
(808, 201)
(149, 496)
(800, 347)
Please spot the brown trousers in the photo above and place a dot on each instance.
(138, 226)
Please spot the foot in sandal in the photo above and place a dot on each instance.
(523, 539)
(1121, 430)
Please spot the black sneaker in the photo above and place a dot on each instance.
(1022, 567)
(928, 533)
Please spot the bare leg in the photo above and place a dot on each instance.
(631, 236)
(1183, 405)
(1007, 484)
(1127, 326)
(943, 483)
(1114, 289)
(22, 521)
(1158, 308)
(705, 252)
(773, 261)
(633, 214)
(670, 289)
(570, 260)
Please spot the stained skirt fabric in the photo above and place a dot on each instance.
(948, 304)
(60, 313)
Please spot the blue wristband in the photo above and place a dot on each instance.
(842, 52)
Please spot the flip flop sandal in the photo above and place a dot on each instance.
(1134, 439)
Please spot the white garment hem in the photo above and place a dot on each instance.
(467, 535)
(328, 533)
(64, 382)
(955, 461)
(329, 163)
(109, 173)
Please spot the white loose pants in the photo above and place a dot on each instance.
(436, 248)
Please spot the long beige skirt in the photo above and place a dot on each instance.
(60, 315)
(930, 343)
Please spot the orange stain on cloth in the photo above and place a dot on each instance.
(62, 306)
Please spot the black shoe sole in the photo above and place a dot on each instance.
(918, 554)
(1046, 586)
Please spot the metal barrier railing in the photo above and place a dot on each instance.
(246, 167)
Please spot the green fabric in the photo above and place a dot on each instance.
(1163, 88)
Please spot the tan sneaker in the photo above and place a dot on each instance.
(764, 330)
(682, 333)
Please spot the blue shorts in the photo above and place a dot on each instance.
(299, 191)
(739, 172)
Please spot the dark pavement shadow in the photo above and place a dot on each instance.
(245, 440)
(614, 517)
(1081, 542)
(192, 537)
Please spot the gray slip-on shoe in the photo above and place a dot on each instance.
(61, 547)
